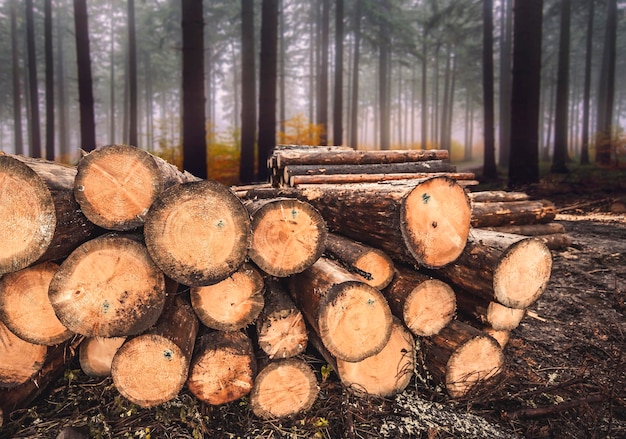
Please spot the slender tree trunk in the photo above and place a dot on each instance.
(559, 157)
(338, 96)
(354, 105)
(322, 85)
(383, 78)
(267, 90)
(50, 155)
(248, 93)
(314, 12)
(282, 114)
(35, 133)
(490, 171)
(17, 98)
(132, 74)
(111, 77)
(149, 103)
(64, 138)
(505, 84)
(435, 100)
(194, 130)
(85, 85)
(424, 91)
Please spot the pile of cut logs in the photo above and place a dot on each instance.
(163, 280)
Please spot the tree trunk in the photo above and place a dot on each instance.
(424, 304)
(194, 121)
(248, 93)
(50, 154)
(153, 367)
(584, 154)
(198, 232)
(62, 107)
(354, 105)
(15, 75)
(25, 308)
(280, 327)
(510, 269)
(124, 296)
(232, 303)
(338, 94)
(372, 265)
(352, 319)
(352, 157)
(51, 225)
(462, 357)
(503, 213)
(505, 83)
(560, 156)
(424, 108)
(223, 367)
(21, 360)
(132, 75)
(384, 68)
(96, 355)
(288, 235)
(116, 185)
(490, 171)
(321, 118)
(34, 129)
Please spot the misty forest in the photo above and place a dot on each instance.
(506, 87)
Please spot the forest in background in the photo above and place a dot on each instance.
(389, 74)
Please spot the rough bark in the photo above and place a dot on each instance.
(490, 196)
(85, 83)
(425, 166)
(493, 214)
(353, 157)
(463, 178)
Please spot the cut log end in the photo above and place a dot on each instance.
(436, 221)
(477, 360)
(503, 318)
(21, 360)
(376, 269)
(522, 274)
(354, 321)
(386, 373)
(116, 185)
(283, 336)
(27, 227)
(149, 370)
(284, 388)
(96, 355)
(429, 307)
(198, 233)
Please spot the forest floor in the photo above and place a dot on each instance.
(565, 372)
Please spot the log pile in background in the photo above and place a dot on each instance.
(358, 271)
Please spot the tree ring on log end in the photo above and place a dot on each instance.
(429, 307)
(21, 360)
(522, 273)
(354, 321)
(479, 359)
(435, 221)
(27, 217)
(198, 233)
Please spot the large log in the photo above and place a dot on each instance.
(232, 303)
(283, 388)
(281, 330)
(421, 221)
(288, 235)
(491, 214)
(497, 196)
(152, 368)
(21, 360)
(26, 309)
(513, 270)
(352, 318)
(463, 178)
(108, 287)
(424, 304)
(374, 266)
(198, 233)
(373, 168)
(39, 218)
(530, 229)
(223, 367)
(116, 185)
(95, 354)
(462, 357)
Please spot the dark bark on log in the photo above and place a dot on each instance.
(373, 168)
(370, 264)
(108, 287)
(198, 233)
(424, 304)
(50, 225)
(493, 214)
(288, 235)
(352, 157)
(497, 196)
(463, 178)
(116, 185)
(153, 367)
(223, 367)
(530, 229)
(352, 318)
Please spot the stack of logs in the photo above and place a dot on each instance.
(162, 280)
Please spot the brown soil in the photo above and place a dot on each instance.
(565, 374)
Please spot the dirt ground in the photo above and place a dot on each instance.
(565, 373)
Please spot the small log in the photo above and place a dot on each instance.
(21, 360)
(26, 309)
(424, 304)
(116, 185)
(108, 287)
(428, 166)
(153, 367)
(423, 221)
(497, 196)
(491, 214)
(280, 328)
(501, 336)
(96, 354)
(284, 388)
(232, 303)
(372, 265)
(513, 270)
(493, 314)
(223, 367)
(198, 233)
(352, 318)
(556, 241)
(530, 229)
(462, 357)
(40, 219)
(296, 180)
(386, 373)
(288, 235)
